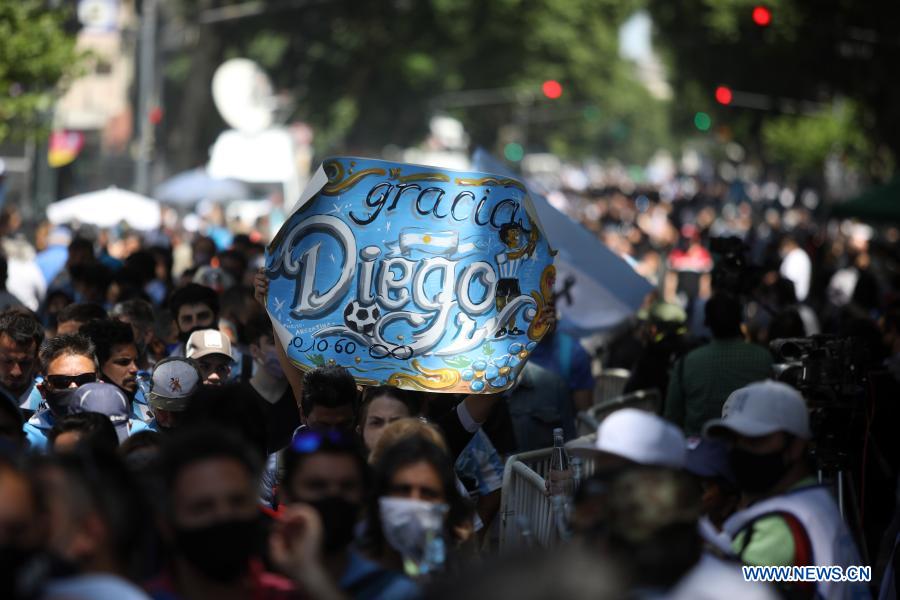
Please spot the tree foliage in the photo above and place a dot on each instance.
(36, 53)
(815, 53)
(370, 74)
(806, 141)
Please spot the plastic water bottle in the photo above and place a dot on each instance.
(560, 475)
(143, 381)
(560, 507)
(577, 473)
(435, 554)
(526, 535)
(425, 560)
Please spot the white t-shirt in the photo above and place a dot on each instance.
(797, 267)
(26, 282)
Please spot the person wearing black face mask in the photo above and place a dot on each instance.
(787, 518)
(68, 362)
(325, 469)
(213, 520)
(194, 307)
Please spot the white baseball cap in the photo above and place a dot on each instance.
(207, 341)
(642, 437)
(760, 409)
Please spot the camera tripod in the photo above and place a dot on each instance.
(835, 473)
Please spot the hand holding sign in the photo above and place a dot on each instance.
(260, 286)
(424, 279)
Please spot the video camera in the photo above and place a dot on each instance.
(733, 272)
(831, 374)
(824, 368)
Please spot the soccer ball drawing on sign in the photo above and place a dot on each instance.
(360, 317)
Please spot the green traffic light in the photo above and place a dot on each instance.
(513, 152)
(702, 121)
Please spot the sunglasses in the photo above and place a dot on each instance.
(64, 381)
(307, 441)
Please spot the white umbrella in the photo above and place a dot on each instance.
(107, 208)
(190, 187)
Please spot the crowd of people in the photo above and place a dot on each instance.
(156, 441)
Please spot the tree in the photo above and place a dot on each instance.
(36, 54)
(804, 142)
(813, 53)
(369, 74)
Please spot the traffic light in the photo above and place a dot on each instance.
(762, 16)
(724, 95)
(702, 121)
(514, 152)
(552, 89)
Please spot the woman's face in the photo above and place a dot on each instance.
(418, 481)
(382, 411)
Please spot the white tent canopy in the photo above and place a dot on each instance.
(107, 208)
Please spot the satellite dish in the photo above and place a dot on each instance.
(98, 15)
(243, 94)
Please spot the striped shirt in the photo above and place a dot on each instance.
(509, 269)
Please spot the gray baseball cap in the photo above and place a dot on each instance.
(106, 399)
(172, 384)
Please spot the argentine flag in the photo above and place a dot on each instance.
(428, 242)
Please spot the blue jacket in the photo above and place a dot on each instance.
(37, 428)
(366, 580)
(39, 425)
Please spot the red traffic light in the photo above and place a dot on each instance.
(724, 95)
(552, 89)
(762, 16)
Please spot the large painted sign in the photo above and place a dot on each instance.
(411, 276)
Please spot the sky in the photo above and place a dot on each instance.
(634, 37)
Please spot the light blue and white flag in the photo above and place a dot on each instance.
(596, 289)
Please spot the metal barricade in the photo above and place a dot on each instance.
(526, 511)
(609, 384)
(587, 421)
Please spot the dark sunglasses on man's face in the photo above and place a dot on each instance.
(61, 382)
